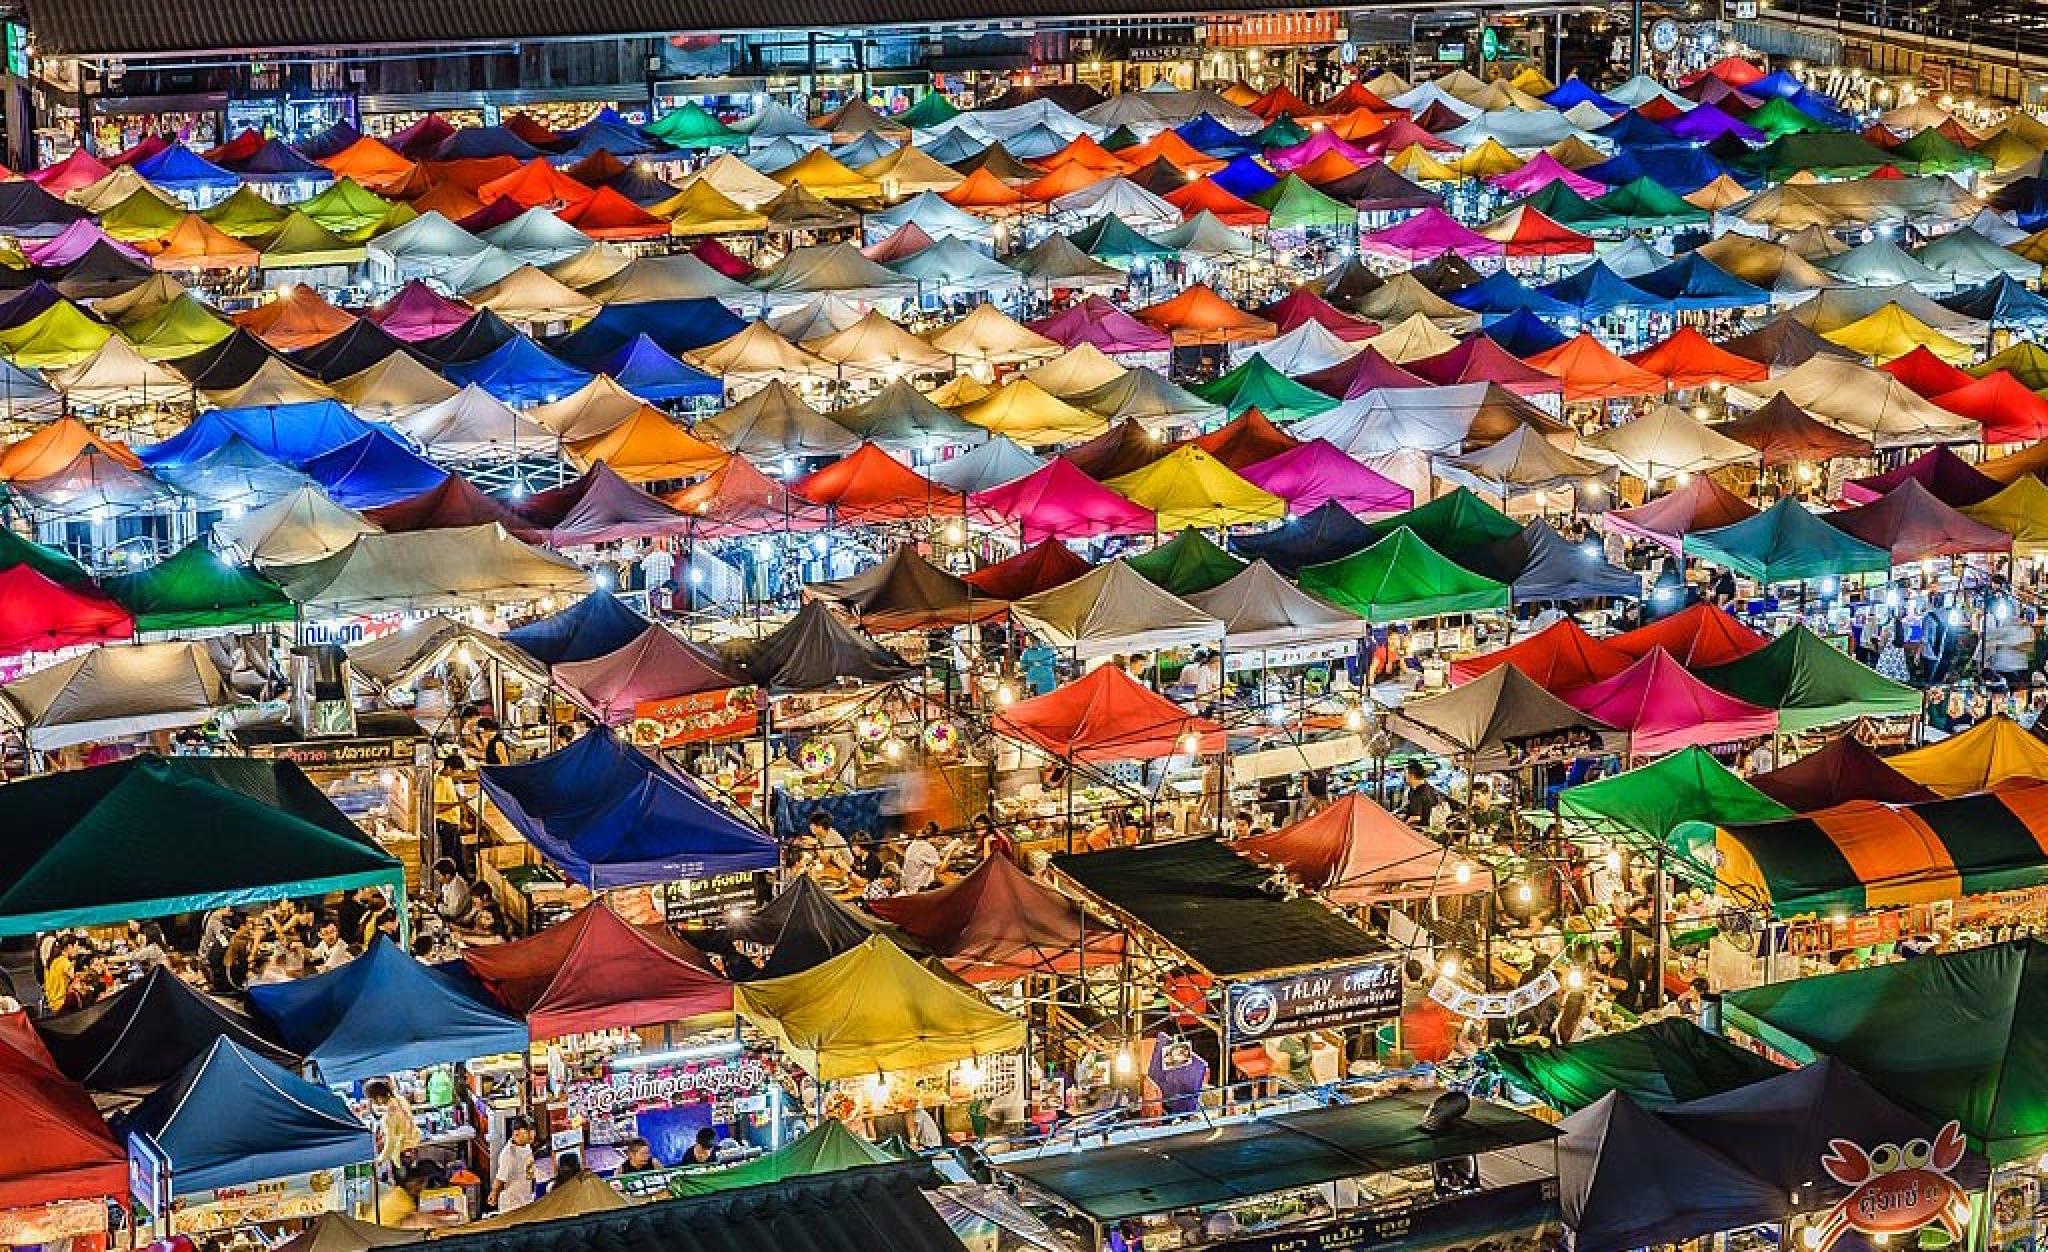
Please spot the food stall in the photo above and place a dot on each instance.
(61, 1171)
(382, 777)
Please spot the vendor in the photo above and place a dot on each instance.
(1420, 806)
(398, 1135)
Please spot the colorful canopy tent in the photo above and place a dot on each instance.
(1061, 502)
(1840, 771)
(1699, 505)
(594, 971)
(298, 527)
(1663, 443)
(828, 1149)
(1490, 715)
(65, 1151)
(1811, 683)
(1646, 804)
(1356, 853)
(1783, 433)
(804, 926)
(114, 691)
(869, 486)
(1041, 567)
(610, 816)
(997, 924)
(1113, 608)
(138, 1038)
(2007, 410)
(431, 569)
(1187, 563)
(1662, 707)
(655, 665)
(1786, 543)
(907, 592)
(1124, 448)
(1317, 472)
(1910, 523)
(1451, 522)
(1700, 636)
(37, 615)
(597, 624)
(1616, 1165)
(1190, 488)
(814, 651)
(1994, 751)
(82, 853)
(1897, 1026)
(1257, 384)
(384, 1011)
(1260, 609)
(1862, 401)
(1106, 715)
(1539, 565)
(986, 466)
(1328, 533)
(874, 1010)
(1401, 578)
(1559, 657)
(196, 590)
(2019, 510)
(232, 1118)
(452, 503)
(1658, 1065)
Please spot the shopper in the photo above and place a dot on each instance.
(512, 1176)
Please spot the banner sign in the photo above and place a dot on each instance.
(1895, 1189)
(733, 713)
(1345, 996)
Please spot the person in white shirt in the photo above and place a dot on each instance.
(921, 860)
(832, 846)
(657, 565)
(331, 952)
(512, 1175)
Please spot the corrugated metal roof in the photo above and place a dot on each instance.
(159, 27)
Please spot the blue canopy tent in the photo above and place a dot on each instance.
(1205, 134)
(594, 626)
(2002, 302)
(277, 161)
(678, 326)
(237, 473)
(1501, 293)
(1684, 169)
(1524, 334)
(385, 1011)
(644, 368)
(1541, 566)
(1628, 1180)
(486, 141)
(1244, 177)
(610, 816)
(519, 371)
(1574, 90)
(374, 471)
(178, 168)
(291, 433)
(232, 1119)
(1693, 282)
(1595, 291)
(1632, 132)
(1327, 533)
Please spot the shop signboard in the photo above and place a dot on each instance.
(700, 717)
(1347, 995)
(149, 1174)
(1525, 1214)
(346, 753)
(1895, 1189)
(697, 903)
(53, 1223)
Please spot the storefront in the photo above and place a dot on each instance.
(117, 123)
(602, 1089)
(382, 777)
(291, 118)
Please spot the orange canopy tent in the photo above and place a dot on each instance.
(196, 244)
(369, 162)
(1107, 716)
(1689, 359)
(605, 214)
(1067, 179)
(298, 317)
(1355, 852)
(1207, 194)
(533, 184)
(1083, 149)
(1169, 147)
(983, 190)
(872, 486)
(1591, 371)
(1198, 315)
(648, 447)
(1280, 101)
(54, 446)
(1559, 657)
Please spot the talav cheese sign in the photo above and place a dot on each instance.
(705, 715)
(1895, 1188)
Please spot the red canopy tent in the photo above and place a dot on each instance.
(1354, 96)
(595, 971)
(1663, 708)
(1107, 716)
(605, 214)
(1841, 771)
(451, 505)
(1784, 433)
(1559, 657)
(1041, 567)
(655, 666)
(1590, 370)
(1355, 852)
(1732, 70)
(1198, 315)
(1303, 305)
(1952, 480)
(38, 615)
(737, 499)
(1910, 523)
(1481, 360)
(2003, 405)
(1280, 101)
(1701, 636)
(1524, 231)
(62, 1148)
(1245, 440)
(1701, 504)
(532, 184)
(1206, 195)
(1688, 359)
(998, 924)
(871, 486)
(1925, 374)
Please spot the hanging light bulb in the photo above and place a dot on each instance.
(1462, 874)
(1524, 893)
(1191, 743)
(1124, 1063)
(893, 749)
(1354, 718)
(1573, 979)
(1613, 861)
(1006, 695)
(956, 531)
(1449, 968)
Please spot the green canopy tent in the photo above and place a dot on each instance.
(1282, 132)
(1830, 153)
(150, 836)
(1811, 683)
(690, 125)
(1780, 117)
(1257, 384)
(1293, 203)
(1785, 543)
(1931, 152)
(245, 214)
(1646, 204)
(1960, 1035)
(1110, 238)
(1402, 578)
(1558, 202)
(826, 1150)
(1187, 563)
(50, 563)
(196, 589)
(1658, 1065)
(932, 109)
(1646, 804)
(1453, 522)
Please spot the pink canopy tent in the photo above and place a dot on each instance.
(1096, 321)
(1664, 708)
(655, 666)
(1318, 472)
(419, 312)
(1701, 504)
(1365, 371)
(1542, 170)
(1481, 360)
(1318, 143)
(73, 242)
(1430, 233)
(1355, 852)
(1061, 502)
(737, 499)
(1402, 133)
(79, 170)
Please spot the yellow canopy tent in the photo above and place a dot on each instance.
(647, 447)
(1488, 160)
(2020, 510)
(907, 171)
(874, 1010)
(1415, 162)
(1892, 332)
(1993, 751)
(58, 336)
(1032, 415)
(822, 174)
(702, 209)
(1189, 488)
(1411, 340)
